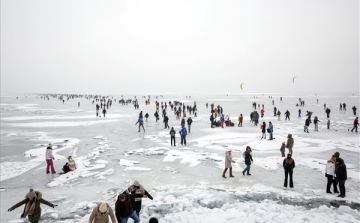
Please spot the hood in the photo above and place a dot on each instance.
(38, 195)
(289, 136)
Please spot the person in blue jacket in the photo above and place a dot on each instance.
(270, 130)
(141, 123)
(183, 133)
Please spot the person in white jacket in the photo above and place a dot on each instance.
(330, 174)
(49, 159)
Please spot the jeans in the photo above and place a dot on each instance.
(50, 165)
(247, 169)
(183, 140)
(173, 139)
(288, 173)
(330, 181)
(342, 187)
(133, 216)
(355, 127)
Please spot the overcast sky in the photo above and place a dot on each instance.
(152, 46)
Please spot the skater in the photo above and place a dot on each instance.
(290, 143)
(137, 188)
(282, 149)
(228, 161)
(49, 159)
(263, 130)
(183, 134)
(341, 176)
(240, 120)
(356, 123)
(101, 214)
(172, 136)
(330, 175)
(306, 126)
(141, 123)
(270, 130)
(289, 165)
(287, 115)
(327, 112)
(189, 121)
(32, 202)
(248, 160)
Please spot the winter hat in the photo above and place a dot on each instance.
(50, 145)
(337, 154)
(31, 194)
(103, 207)
(153, 220)
(136, 183)
(121, 196)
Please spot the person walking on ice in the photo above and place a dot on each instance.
(101, 214)
(228, 161)
(183, 134)
(141, 123)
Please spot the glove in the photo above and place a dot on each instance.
(54, 205)
(233, 161)
(9, 209)
(53, 158)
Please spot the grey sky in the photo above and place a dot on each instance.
(164, 46)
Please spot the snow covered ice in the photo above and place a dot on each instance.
(185, 181)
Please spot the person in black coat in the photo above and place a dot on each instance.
(289, 165)
(248, 160)
(137, 189)
(341, 176)
(263, 130)
(306, 126)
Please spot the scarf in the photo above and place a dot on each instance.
(29, 207)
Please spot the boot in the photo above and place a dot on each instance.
(224, 173)
(231, 173)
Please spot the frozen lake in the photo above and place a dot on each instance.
(185, 181)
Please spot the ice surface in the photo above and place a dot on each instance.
(185, 181)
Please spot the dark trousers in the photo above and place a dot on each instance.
(331, 180)
(287, 117)
(173, 139)
(342, 187)
(288, 173)
(355, 127)
(183, 140)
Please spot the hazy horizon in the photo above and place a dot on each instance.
(177, 47)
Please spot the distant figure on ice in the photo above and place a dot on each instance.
(189, 122)
(270, 130)
(299, 113)
(146, 117)
(263, 130)
(344, 106)
(228, 161)
(32, 202)
(278, 114)
(307, 124)
(354, 110)
(172, 136)
(328, 112)
(248, 160)
(182, 122)
(156, 114)
(290, 143)
(316, 124)
(101, 214)
(212, 120)
(282, 149)
(141, 123)
(287, 115)
(356, 123)
(183, 134)
(240, 120)
(166, 120)
(328, 124)
(49, 159)
(104, 111)
(289, 165)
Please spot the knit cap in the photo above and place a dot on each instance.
(31, 194)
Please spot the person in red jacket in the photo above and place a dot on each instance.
(356, 123)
